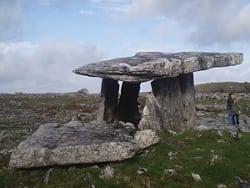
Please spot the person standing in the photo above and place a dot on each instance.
(235, 112)
(229, 108)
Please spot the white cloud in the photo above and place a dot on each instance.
(46, 67)
(151, 8)
(239, 28)
(168, 25)
(214, 22)
(10, 18)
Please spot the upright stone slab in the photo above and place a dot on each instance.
(127, 110)
(171, 106)
(188, 100)
(109, 94)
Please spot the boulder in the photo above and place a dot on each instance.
(145, 138)
(77, 143)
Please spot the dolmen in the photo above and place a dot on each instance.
(120, 130)
(171, 104)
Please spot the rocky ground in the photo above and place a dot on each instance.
(211, 111)
(21, 114)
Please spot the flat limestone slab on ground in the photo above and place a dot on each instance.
(77, 143)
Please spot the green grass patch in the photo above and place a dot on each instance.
(187, 153)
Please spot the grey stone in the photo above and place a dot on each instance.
(77, 143)
(241, 182)
(172, 155)
(3, 135)
(202, 128)
(220, 133)
(145, 66)
(196, 177)
(197, 158)
(221, 186)
(171, 105)
(221, 124)
(107, 172)
(109, 95)
(129, 127)
(73, 123)
(169, 172)
(127, 109)
(145, 138)
(215, 158)
(141, 171)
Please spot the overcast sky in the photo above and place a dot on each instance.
(42, 41)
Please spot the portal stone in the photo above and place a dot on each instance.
(171, 106)
(109, 95)
(128, 110)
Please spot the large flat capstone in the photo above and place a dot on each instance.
(146, 66)
(77, 143)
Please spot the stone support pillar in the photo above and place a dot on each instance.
(109, 95)
(188, 100)
(171, 105)
(127, 110)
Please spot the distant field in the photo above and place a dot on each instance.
(226, 87)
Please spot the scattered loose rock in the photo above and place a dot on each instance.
(107, 172)
(141, 171)
(236, 135)
(172, 155)
(196, 177)
(145, 138)
(169, 172)
(241, 182)
(221, 186)
(215, 157)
